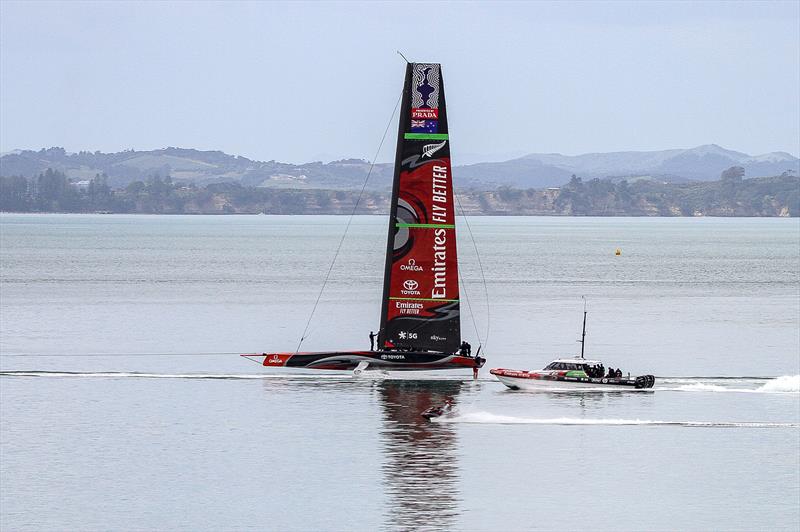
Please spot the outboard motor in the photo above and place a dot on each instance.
(644, 381)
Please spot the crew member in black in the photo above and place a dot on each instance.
(372, 341)
(618, 373)
(463, 349)
(611, 373)
(469, 349)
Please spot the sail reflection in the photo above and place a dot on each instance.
(420, 470)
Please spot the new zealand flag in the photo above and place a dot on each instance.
(424, 126)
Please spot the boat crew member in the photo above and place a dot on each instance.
(611, 373)
(372, 336)
(618, 373)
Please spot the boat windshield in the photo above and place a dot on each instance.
(568, 366)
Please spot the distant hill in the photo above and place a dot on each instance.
(703, 163)
(195, 166)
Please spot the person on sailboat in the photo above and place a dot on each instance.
(372, 336)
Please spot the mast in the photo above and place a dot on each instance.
(583, 335)
(420, 308)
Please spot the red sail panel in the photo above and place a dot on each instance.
(421, 301)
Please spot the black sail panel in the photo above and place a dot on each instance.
(420, 291)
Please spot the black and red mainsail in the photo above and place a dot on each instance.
(420, 323)
(420, 286)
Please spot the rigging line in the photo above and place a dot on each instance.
(349, 221)
(469, 307)
(464, 286)
(480, 265)
(466, 297)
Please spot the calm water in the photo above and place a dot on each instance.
(126, 407)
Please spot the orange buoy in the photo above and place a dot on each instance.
(618, 252)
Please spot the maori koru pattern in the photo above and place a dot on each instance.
(425, 86)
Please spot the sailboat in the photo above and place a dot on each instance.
(420, 325)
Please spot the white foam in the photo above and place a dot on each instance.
(495, 419)
(310, 375)
(705, 387)
(122, 374)
(786, 384)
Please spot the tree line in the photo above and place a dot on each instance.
(731, 195)
(52, 191)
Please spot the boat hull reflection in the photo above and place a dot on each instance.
(420, 468)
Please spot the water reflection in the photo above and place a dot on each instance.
(581, 401)
(420, 469)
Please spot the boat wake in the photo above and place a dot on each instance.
(786, 384)
(486, 418)
(122, 374)
(311, 375)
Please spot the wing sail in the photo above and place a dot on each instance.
(421, 300)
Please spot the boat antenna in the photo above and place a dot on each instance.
(401, 55)
(583, 335)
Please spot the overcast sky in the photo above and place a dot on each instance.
(298, 82)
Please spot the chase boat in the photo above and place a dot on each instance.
(573, 373)
(568, 373)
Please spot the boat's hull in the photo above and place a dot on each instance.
(386, 360)
(531, 380)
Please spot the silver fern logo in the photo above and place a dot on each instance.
(429, 149)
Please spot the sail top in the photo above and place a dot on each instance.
(421, 299)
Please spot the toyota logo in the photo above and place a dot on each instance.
(411, 284)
